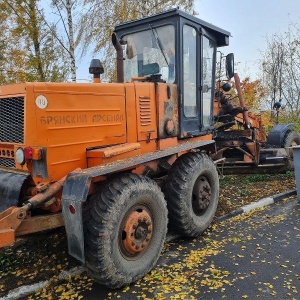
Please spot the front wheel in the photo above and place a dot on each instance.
(125, 226)
(192, 192)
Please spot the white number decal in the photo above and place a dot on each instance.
(41, 102)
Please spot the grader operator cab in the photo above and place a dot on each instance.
(118, 159)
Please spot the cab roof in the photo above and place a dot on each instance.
(221, 35)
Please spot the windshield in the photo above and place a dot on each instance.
(150, 52)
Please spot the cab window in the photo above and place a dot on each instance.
(208, 49)
(150, 52)
(189, 71)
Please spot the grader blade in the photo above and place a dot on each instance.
(10, 187)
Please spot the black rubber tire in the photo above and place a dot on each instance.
(183, 178)
(104, 217)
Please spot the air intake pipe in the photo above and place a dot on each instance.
(96, 69)
(120, 58)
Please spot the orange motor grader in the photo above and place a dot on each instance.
(113, 162)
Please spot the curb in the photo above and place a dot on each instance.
(27, 290)
(261, 203)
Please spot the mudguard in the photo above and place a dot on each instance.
(277, 134)
(75, 192)
(10, 188)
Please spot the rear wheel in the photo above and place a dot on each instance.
(192, 192)
(125, 226)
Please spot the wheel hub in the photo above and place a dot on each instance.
(201, 195)
(137, 231)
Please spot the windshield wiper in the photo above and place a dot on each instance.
(154, 32)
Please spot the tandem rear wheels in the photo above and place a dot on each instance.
(125, 224)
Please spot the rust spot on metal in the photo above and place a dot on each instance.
(170, 127)
(137, 231)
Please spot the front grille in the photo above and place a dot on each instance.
(12, 120)
(7, 162)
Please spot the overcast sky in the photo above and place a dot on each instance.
(249, 22)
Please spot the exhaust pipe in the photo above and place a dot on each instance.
(120, 58)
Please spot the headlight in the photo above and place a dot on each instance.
(20, 157)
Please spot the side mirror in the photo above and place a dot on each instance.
(229, 65)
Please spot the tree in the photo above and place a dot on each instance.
(100, 18)
(281, 67)
(69, 46)
(31, 52)
(253, 92)
(272, 65)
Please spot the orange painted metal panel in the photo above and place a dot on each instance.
(165, 143)
(109, 154)
(146, 111)
(167, 110)
(76, 117)
(7, 237)
(131, 113)
(40, 223)
(12, 90)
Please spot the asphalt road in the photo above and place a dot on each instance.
(251, 256)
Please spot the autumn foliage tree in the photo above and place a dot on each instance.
(30, 51)
(39, 46)
(253, 92)
(33, 47)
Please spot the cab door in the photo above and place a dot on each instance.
(208, 70)
(197, 85)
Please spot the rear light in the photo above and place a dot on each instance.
(28, 153)
(20, 156)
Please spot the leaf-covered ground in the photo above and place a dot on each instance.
(44, 256)
(239, 190)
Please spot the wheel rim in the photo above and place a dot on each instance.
(201, 196)
(136, 231)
